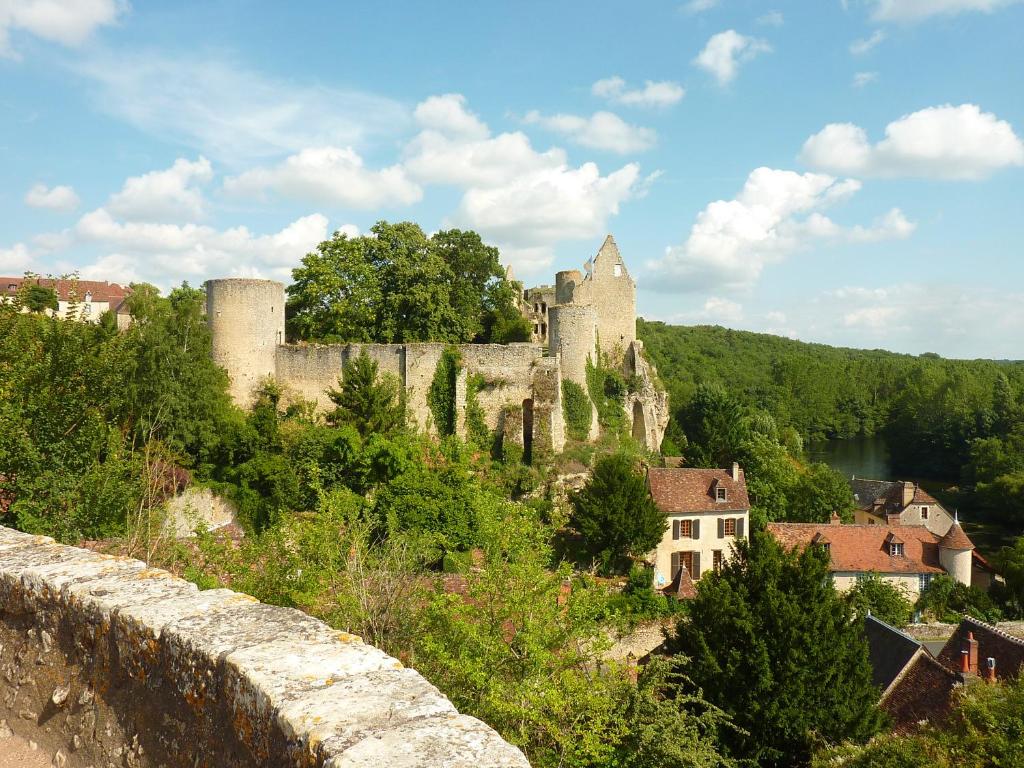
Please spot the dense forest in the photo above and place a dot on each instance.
(960, 420)
(454, 554)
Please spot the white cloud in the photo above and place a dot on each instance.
(940, 142)
(918, 10)
(168, 253)
(725, 51)
(15, 260)
(771, 19)
(862, 45)
(699, 6)
(68, 22)
(167, 195)
(524, 200)
(602, 130)
(231, 113)
(860, 79)
(716, 310)
(59, 198)
(331, 176)
(776, 213)
(654, 94)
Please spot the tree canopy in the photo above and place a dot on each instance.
(772, 643)
(398, 285)
(615, 515)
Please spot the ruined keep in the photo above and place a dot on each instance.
(517, 386)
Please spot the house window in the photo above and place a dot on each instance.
(860, 577)
(923, 580)
(685, 529)
(924, 513)
(682, 560)
(896, 549)
(720, 494)
(729, 527)
(717, 560)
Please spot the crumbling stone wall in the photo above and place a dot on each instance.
(106, 662)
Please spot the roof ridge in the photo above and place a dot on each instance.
(895, 629)
(994, 629)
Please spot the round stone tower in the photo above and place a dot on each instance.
(955, 553)
(572, 332)
(566, 283)
(246, 319)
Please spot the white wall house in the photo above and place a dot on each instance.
(707, 510)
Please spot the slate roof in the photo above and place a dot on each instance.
(889, 651)
(111, 293)
(885, 497)
(678, 490)
(863, 548)
(1008, 651)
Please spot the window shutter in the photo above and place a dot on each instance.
(675, 566)
(696, 565)
(695, 529)
(675, 530)
(721, 528)
(739, 527)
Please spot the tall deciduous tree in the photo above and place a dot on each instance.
(773, 644)
(398, 285)
(615, 514)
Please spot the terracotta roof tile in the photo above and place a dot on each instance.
(111, 293)
(863, 548)
(955, 538)
(923, 694)
(692, 490)
(1008, 651)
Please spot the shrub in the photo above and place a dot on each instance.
(576, 407)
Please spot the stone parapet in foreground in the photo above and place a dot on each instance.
(107, 662)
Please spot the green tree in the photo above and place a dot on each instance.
(398, 285)
(774, 645)
(1010, 561)
(367, 401)
(39, 298)
(615, 514)
(880, 598)
(946, 599)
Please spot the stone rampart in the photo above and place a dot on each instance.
(106, 662)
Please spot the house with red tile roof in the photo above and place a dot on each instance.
(707, 510)
(907, 556)
(84, 300)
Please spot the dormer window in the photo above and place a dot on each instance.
(720, 494)
(896, 549)
(924, 513)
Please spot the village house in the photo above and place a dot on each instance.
(877, 500)
(906, 556)
(707, 510)
(84, 300)
(917, 687)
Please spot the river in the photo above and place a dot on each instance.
(861, 456)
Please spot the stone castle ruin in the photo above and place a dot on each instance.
(518, 386)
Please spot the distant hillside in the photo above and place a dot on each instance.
(820, 390)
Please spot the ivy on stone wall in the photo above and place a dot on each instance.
(576, 408)
(607, 389)
(476, 424)
(441, 396)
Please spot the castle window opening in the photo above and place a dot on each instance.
(543, 306)
(543, 329)
(536, 307)
(528, 430)
(617, 270)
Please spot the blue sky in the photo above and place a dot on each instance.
(844, 172)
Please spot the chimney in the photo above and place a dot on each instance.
(735, 471)
(835, 519)
(970, 653)
(990, 670)
(908, 492)
(892, 519)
